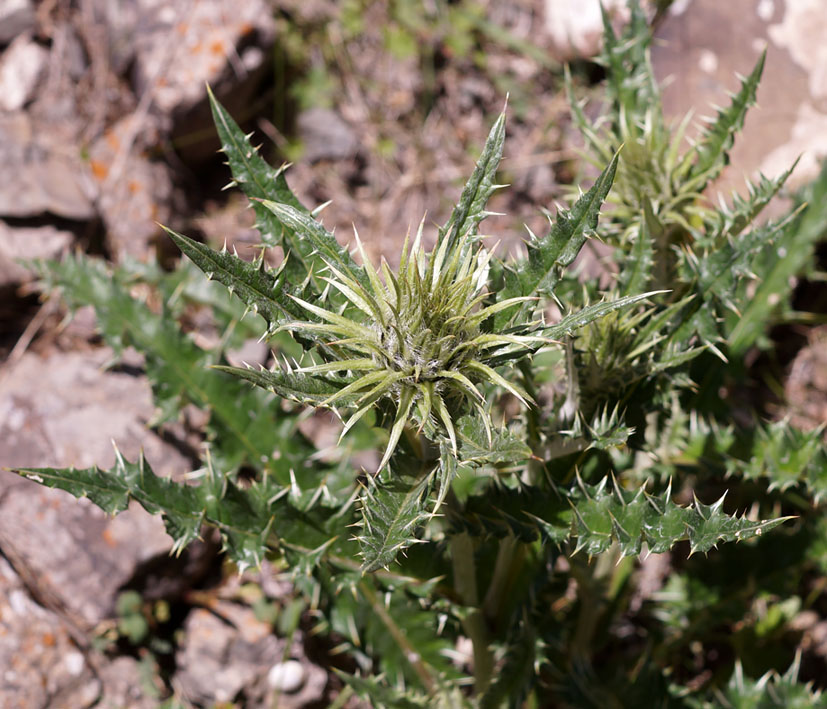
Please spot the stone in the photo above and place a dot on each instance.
(806, 386)
(45, 662)
(34, 646)
(63, 410)
(325, 136)
(25, 243)
(286, 676)
(21, 68)
(134, 191)
(41, 170)
(576, 26)
(16, 17)
(180, 47)
(224, 651)
(695, 48)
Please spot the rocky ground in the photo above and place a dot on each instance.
(105, 131)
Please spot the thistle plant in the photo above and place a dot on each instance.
(416, 340)
(621, 444)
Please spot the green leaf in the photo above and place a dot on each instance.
(778, 452)
(785, 455)
(246, 519)
(394, 507)
(470, 209)
(597, 515)
(261, 290)
(296, 386)
(733, 220)
(259, 181)
(113, 489)
(321, 246)
(504, 448)
(789, 255)
(631, 84)
(512, 682)
(550, 255)
(590, 313)
(717, 273)
(712, 152)
(608, 430)
(637, 273)
(446, 472)
(383, 696)
(247, 425)
(771, 691)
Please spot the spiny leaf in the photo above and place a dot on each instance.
(383, 696)
(599, 514)
(717, 272)
(515, 678)
(470, 209)
(260, 181)
(245, 517)
(790, 254)
(296, 386)
(733, 220)
(777, 452)
(394, 506)
(631, 83)
(260, 289)
(323, 247)
(549, 256)
(771, 691)
(475, 449)
(593, 312)
(719, 136)
(247, 425)
(637, 275)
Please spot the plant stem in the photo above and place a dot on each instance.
(506, 557)
(465, 583)
(399, 637)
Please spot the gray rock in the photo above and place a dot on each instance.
(44, 663)
(117, 21)
(576, 26)
(41, 170)
(16, 17)
(21, 69)
(225, 650)
(325, 136)
(63, 410)
(37, 655)
(180, 47)
(695, 48)
(26, 243)
(133, 191)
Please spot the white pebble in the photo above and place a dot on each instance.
(286, 676)
(74, 662)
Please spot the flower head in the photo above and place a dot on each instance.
(416, 337)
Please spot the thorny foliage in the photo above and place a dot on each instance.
(512, 440)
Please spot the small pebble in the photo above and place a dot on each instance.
(286, 676)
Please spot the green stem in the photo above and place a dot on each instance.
(506, 557)
(465, 584)
(411, 654)
(591, 592)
